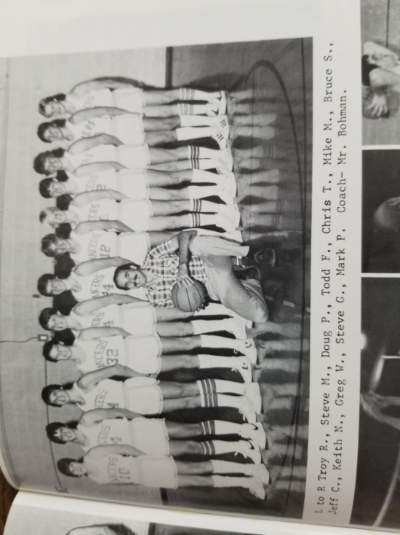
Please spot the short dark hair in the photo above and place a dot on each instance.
(44, 187)
(63, 201)
(45, 316)
(42, 284)
(53, 427)
(40, 159)
(43, 127)
(42, 103)
(49, 389)
(62, 176)
(66, 337)
(47, 242)
(121, 268)
(46, 349)
(63, 265)
(64, 466)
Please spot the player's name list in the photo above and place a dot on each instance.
(328, 477)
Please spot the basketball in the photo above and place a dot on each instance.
(189, 294)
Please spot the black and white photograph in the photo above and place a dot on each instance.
(155, 275)
(49, 517)
(381, 211)
(380, 71)
(377, 486)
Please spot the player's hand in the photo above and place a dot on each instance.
(378, 106)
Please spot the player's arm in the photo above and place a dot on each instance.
(96, 416)
(97, 264)
(91, 379)
(92, 305)
(109, 225)
(122, 449)
(92, 333)
(83, 88)
(81, 145)
(99, 111)
(91, 196)
(97, 167)
(184, 240)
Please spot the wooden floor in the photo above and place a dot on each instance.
(7, 494)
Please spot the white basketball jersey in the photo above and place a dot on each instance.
(100, 284)
(90, 355)
(136, 318)
(102, 244)
(92, 99)
(113, 468)
(130, 183)
(107, 394)
(106, 433)
(99, 210)
(96, 244)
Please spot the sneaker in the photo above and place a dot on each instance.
(244, 368)
(256, 488)
(217, 106)
(253, 394)
(221, 133)
(225, 162)
(249, 451)
(247, 411)
(232, 213)
(237, 328)
(224, 192)
(260, 472)
(256, 433)
(250, 350)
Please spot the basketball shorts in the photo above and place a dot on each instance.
(139, 319)
(150, 436)
(130, 99)
(143, 395)
(136, 214)
(143, 354)
(159, 472)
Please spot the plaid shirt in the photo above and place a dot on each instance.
(163, 263)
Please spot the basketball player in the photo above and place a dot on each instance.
(136, 317)
(124, 466)
(94, 278)
(146, 355)
(148, 397)
(133, 128)
(126, 95)
(130, 215)
(191, 184)
(151, 436)
(103, 152)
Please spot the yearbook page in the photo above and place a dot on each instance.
(198, 256)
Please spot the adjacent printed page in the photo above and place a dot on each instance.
(182, 251)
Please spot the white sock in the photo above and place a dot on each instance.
(196, 132)
(198, 192)
(227, 467)
(187, 93)
(212, 361)
(199, 205)
(229, 481)
(197, 120)
(198, 175)
(211, 448)
(212, 341)
(205, 326)
(229, 387)
(221, 427)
